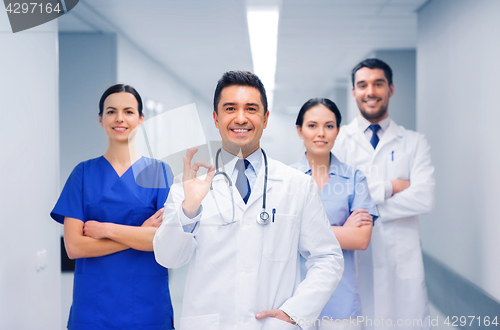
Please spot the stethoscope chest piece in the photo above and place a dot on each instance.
(263, 218)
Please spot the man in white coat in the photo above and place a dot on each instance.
(244, 274)
(400, 176)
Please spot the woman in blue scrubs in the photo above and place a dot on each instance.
(111, 207)
(347, 202)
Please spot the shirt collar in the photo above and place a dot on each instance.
(229, 160)
(364, 123)
(336, 167)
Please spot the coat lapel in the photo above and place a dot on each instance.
(258, 189)
(393, 132)
(352, 130)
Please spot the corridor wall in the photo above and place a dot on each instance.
(29, 178)
(457, 101)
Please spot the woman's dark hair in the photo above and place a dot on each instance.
(119, 88)
(240, 78)
(314, 102)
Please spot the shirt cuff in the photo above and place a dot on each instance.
(189, 225)
(388, 189)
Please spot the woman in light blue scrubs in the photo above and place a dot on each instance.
(347, 202)
(111, 207)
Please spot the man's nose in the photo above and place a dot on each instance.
(370, 90)
(241, 117)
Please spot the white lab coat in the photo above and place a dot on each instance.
(240, 269)
(391, 272)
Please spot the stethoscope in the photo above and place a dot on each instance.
(263, 216)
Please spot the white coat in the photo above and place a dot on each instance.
(240, 269)
(391, 272)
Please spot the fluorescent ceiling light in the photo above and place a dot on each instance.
(263, 30)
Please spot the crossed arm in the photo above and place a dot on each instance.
(356, 232)
(96, 239)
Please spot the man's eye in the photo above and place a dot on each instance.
(252, 109)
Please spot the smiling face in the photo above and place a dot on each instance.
(372, 93)
(319, 130)
(240, 119)
(120, 116)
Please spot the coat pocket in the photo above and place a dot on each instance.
(206, 322)
(273, 323)
(398, 167)
(281, 237)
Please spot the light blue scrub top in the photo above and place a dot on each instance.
(127, 290)
(346, 191)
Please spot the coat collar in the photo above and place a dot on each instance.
(221, 188)
(227, 162)
(353, 131)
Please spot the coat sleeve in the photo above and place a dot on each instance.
(173, 247)
(377, 191)
(324, 260)
(419, 197)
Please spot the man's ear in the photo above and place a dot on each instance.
(266, 118)
(391, 90)
(216, 119)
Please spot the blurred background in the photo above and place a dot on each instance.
(444, 54)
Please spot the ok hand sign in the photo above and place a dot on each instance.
(195, 189)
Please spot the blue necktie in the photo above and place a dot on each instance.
(374, 140)
(242, 183)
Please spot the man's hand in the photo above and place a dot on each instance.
(399, 185)
(195, 189)
(155, 220)
(94, 229)
(358, 218)
(276, 313)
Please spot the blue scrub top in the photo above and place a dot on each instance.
(127, 289)
(345, 191)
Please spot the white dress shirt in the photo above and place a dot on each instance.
(364, 126)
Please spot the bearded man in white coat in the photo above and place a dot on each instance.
(244, 274)
(400, 176)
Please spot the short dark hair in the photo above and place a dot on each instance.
(240, 78)
(119, 88)
(373, 63)
(314, 102)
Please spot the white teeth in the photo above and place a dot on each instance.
(240, 130)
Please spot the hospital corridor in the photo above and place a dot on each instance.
(435, 255)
